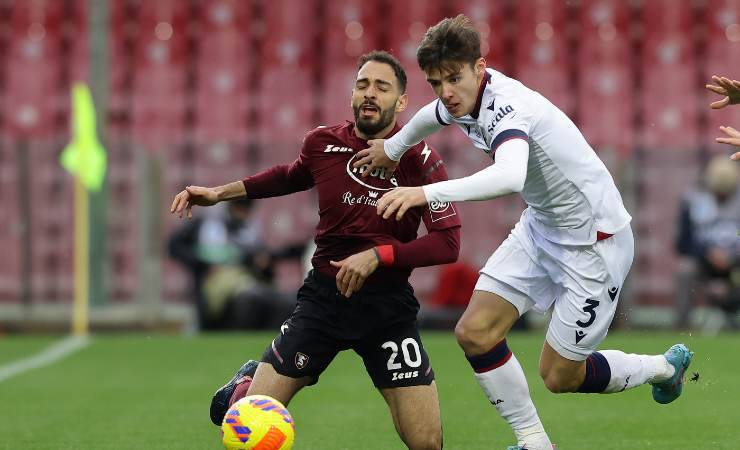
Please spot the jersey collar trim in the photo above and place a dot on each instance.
(476, 110)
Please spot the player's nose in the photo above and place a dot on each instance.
(446, 92)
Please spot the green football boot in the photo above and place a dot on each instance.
(666, 391)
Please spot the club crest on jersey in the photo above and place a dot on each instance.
(502, 112)
(439, 207)
(301, 359)
(441, 210)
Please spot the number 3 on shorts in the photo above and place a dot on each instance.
(590, 308)
(408, 346)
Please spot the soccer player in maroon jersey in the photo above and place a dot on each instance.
(357, 296)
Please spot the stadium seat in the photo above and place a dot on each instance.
(723, 40)
(488, 17)
(287, 104)
(604, 33)
(33, 70)
(287, 34)
(667, 16)
(160, 73)
(669, 120)
(351, 29)
(606, 106)
(223, 69)
(542, 56)
(222, 103)
(335, 104)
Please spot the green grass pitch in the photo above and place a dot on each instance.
(152, 392)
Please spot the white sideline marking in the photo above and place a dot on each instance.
(51, 354)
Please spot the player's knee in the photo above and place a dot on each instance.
(558, 383)
(426, 441)
(476, 338)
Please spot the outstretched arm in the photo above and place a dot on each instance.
(204, 196)
(386, 153)
(506, 176)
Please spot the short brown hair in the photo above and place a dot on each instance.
(386, 58)
(451, 42)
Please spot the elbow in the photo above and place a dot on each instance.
(518, 184)
(453, 246)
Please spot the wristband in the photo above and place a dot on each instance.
(385, 254)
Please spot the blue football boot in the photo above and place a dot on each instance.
(666, 391)
(222, 398)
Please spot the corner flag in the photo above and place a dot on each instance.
(84, 156)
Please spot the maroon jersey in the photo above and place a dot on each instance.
(348, 222)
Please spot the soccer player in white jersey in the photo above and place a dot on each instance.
(570, 251)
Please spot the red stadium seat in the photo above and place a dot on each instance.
(223, 70)
(606, 106)
(542, 57)
(604, 34)
(669, 120)
(219, 15)
(158, 97)
(667, 16)
(722, 43)
(286, 106)
(351, 30)
(288, 34)
(489, 18)
(338, 83)
(408, 21)
(33, 70)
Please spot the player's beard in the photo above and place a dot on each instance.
(371, 127)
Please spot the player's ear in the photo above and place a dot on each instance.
(480, 65)
(402, 102)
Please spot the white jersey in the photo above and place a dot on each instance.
(569, 190)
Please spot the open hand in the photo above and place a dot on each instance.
(190, 196)
(374, 157)
(733, 136)
(727, 87)
(399, 200)
(354, 270)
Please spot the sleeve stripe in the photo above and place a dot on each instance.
(439, 118)
(506, 135)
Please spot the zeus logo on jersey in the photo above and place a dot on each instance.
(502, 112)
(337, 149)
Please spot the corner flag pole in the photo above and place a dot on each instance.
(86, 159)
(81, 303)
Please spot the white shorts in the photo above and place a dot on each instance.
(583, 283)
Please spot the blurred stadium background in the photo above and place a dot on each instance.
(209, 91)
(205, 92)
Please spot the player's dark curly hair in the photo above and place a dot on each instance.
(447, 45)
(386, 58)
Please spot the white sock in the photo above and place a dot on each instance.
(507, 389)
(629, 370)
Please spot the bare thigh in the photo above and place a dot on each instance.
(416, 416)
(268, 382)
(485, 322)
